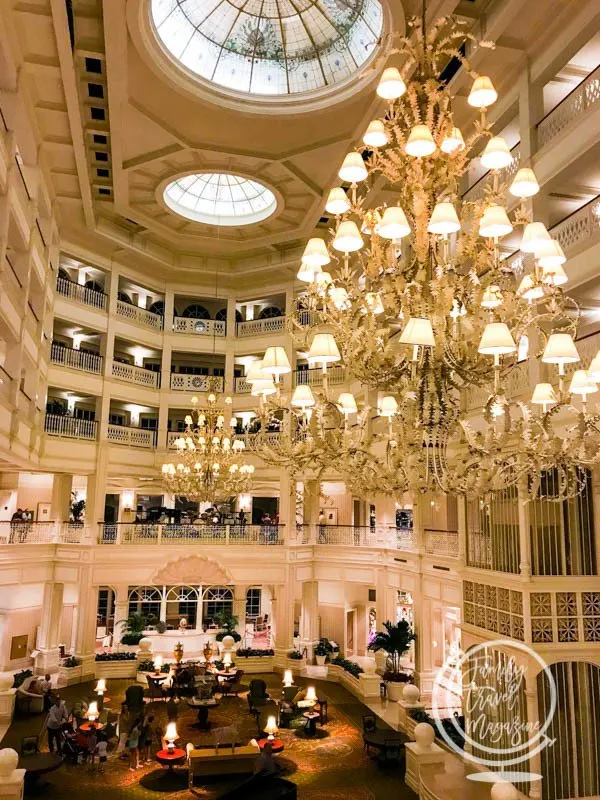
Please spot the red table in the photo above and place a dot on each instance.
(276, 744)
(171, 758)
(86, 727)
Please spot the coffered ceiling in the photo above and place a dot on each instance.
(116, 123)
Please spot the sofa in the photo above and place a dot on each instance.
(208, 761)
(29, 701)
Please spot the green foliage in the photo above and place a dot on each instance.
(133, 628)
(348, 666)
(295, 655)
(76, 508)
(395, 641)
(226, 620)
(248, 652)
(131, 638)
(324, 648)
(20, 677)
(115, 657)
(160, 626)
(71, 662)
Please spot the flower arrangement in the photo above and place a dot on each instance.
(115, 656)
(348, 666)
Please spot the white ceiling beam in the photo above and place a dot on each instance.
(115, 46)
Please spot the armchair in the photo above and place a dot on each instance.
(29, 702)
(262, 714)
(258, 695)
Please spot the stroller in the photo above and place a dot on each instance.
(73, 751)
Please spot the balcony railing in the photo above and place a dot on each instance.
(133, 437)
(70, 427)
(257, 327)
(578, 226)
(200, 327)
(140, 315)
(75, 359)
(132, 374)
(314, 377)
(196, 383)
(251, 440)
(47, 532)
(155, 534)
(441, 543)
(516, 383)
(481, 177)
(242, 386)
(81, 294)
(584, 96)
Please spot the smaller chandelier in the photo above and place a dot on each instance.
(209, 466)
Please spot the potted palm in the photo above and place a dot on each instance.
(395, 640)
(133, 631)
(322, 651)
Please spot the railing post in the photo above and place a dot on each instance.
(159, 534)
(227, 527)
(118, 533)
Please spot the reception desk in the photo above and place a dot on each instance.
(193, 643)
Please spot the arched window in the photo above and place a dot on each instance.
(196, 311)
(222, 315)
(158, 308)
(124, 298)
(62, 273)
(94, 285)
(269, 312)
(216, 599)
(145, 600)
(182, 602)
(253, 602)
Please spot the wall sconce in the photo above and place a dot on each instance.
(127, 500)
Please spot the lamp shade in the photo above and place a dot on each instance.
(323, 350)
(443, 219)
(158, 662)
(534, 236)
(376, 135)
(263, 388)
(494, 223)
(524, 183)
(420, 142)
(307, 272)
(337, 202)
(271, 726)
(92, 712)
(582, 384)
(346, 403)
(543, 395)
(394, 224)
(275, 362)
(496, 340)
(555, 275)
(453, 142)
(560, 349)
(418, 331)
(311, 694)
(254, 372)
(302, 397)
(391, 86)
(315, 253)
(388, 406)
(594, 370)
(339, 297)
(353, 169)
(322, 279)
(171, 732)
(529, 289)
(550, 254)
(374, 303)
(496, 154)
(492, 297)
(482, 93)
(100, 686)
(348, 238)
(288, 677)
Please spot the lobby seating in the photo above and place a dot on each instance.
(262, 714)
(27, 701)
(258, 695)
(204, 762)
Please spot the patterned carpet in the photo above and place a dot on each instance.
(331, 767)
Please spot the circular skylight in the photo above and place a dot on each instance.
(218, 198)
(274, 47)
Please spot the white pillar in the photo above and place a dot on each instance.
(47, 659)
(85, 637)
(239, 608)
(309, 616)
(62, 486)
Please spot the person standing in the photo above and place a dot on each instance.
(46, 686)
(57, 716)
(322, 523)
(134, 744)
(92, 743)
(102, 753)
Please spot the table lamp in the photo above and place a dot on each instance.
(171, 736)
(92, 712)
(311, 695)
(100, 689)
(227, 661)
(158, 662)
(288, 678)
(271, 728)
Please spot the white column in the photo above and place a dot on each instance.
(309, 616)
(535, 759)
(282, 616)
(62, 486)
(239, 608)
(121, 610)
(85, 638)
(230, 346)
(47, 659)
(287, 506)
(524, 531)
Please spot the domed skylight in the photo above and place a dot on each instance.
(218, 198)
(274, 47)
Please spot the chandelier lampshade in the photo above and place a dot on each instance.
(374, 303)
(529, 289)
(544, 395)
(348, 238)
(534, 237)
(322, 280)
(418, 332)
(444, 219)
(391, 85)
(492, 297)
(315, 253)
(554, 275)
(420, 142)
(339, 297)
(323, 350)
(582, 384)
(394, 224)
(376, 135)
(494, 224)
(453, 142)
(353, 169)
(482, 94)
(346, 403)
(524, 183)
(263, 387)
(275, 362)
(306, 273)
(303, 397)
(594, 370)
(560, 349)
(337, 202)
(496, 154)
(255, 372)
(550, 254)
(496, 340)
(388, 406)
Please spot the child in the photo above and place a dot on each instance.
(102, 751)
(133, 744)
(146, 739)
(92, 742)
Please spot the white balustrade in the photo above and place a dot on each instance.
(70, 427)
(81, 294)
(253, 440)
(242, 386)
(196, 383)
(256, 327)
(442, 543)
(314, 377)
(578, 226)
(22, 532)
(133, 374)
(584, 96)
(140, 315)
(200, 327)
(75, 359)
(133, 437)
(156, 534)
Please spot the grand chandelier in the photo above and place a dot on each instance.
(418, 305)
(209, 466)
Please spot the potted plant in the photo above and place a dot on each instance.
(227, 622)
(322, 651)
(133, 629)
(395, 641)
(70, 671)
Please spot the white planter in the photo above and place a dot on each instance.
(320, 661)
(115, 669)
(69, 675)
(394, 691)
(255, 664)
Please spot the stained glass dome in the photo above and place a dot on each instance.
(274, 47)
(218, 198)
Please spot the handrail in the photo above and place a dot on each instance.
(10, 264)
(567, 96)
